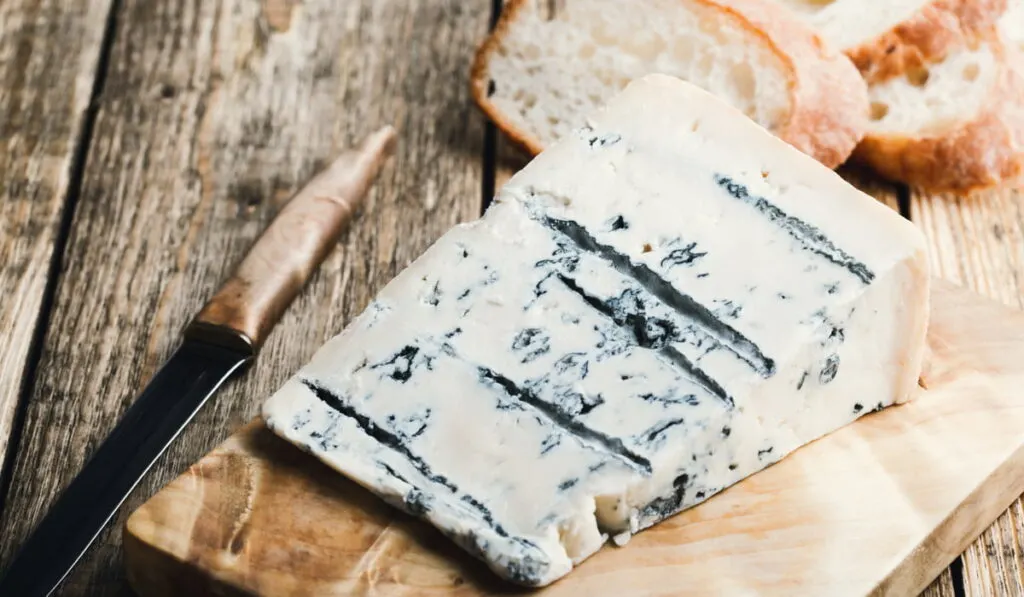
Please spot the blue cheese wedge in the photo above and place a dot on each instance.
(662, 304)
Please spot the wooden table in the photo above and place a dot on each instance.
(145, 143)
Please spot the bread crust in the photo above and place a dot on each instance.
(830, 106)
(928, 36)
(979, 153)
(828, 98)
(480, 83)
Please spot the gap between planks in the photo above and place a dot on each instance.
(493, 174)
(212, 114)
(978, 242)
(12, 416)
(498, 169)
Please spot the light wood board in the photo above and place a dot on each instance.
(263, 89)
(978, 241)
(879, 507)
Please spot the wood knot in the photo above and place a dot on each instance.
(247, 193)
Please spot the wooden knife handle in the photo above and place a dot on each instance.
(275, 270)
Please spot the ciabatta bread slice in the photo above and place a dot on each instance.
(1011, 26)
(549, 63)
(885, 38)
(955, 126)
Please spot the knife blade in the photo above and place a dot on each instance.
(225, 335)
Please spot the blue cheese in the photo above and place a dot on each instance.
(657, 307)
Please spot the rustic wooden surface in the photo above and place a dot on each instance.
(879, 507)
(943, 586)
(40, 130)
(978, 242)
(212, 113)
(279, 264)
(208, 115)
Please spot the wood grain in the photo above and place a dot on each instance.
(279, 264)
(943, 586)
(45, 89)
(889, 194)
(213, 113)
(878, 507)
(978, 242)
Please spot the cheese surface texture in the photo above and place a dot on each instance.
(660, 305)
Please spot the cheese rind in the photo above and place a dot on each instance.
(644, 317)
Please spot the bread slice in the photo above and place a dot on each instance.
(886, 38)
(1011, 26)
(549, 63)
(955, 126)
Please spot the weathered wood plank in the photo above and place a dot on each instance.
(994, 564)
(45, 89)
(978, 242)
(942, 587)
(213, 112)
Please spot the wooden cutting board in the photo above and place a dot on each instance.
(879, 507)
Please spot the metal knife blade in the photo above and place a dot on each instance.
(225, 335)
(156, 418)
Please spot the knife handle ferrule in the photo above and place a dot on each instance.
(275, 270)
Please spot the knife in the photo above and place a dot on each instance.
(225, 335)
